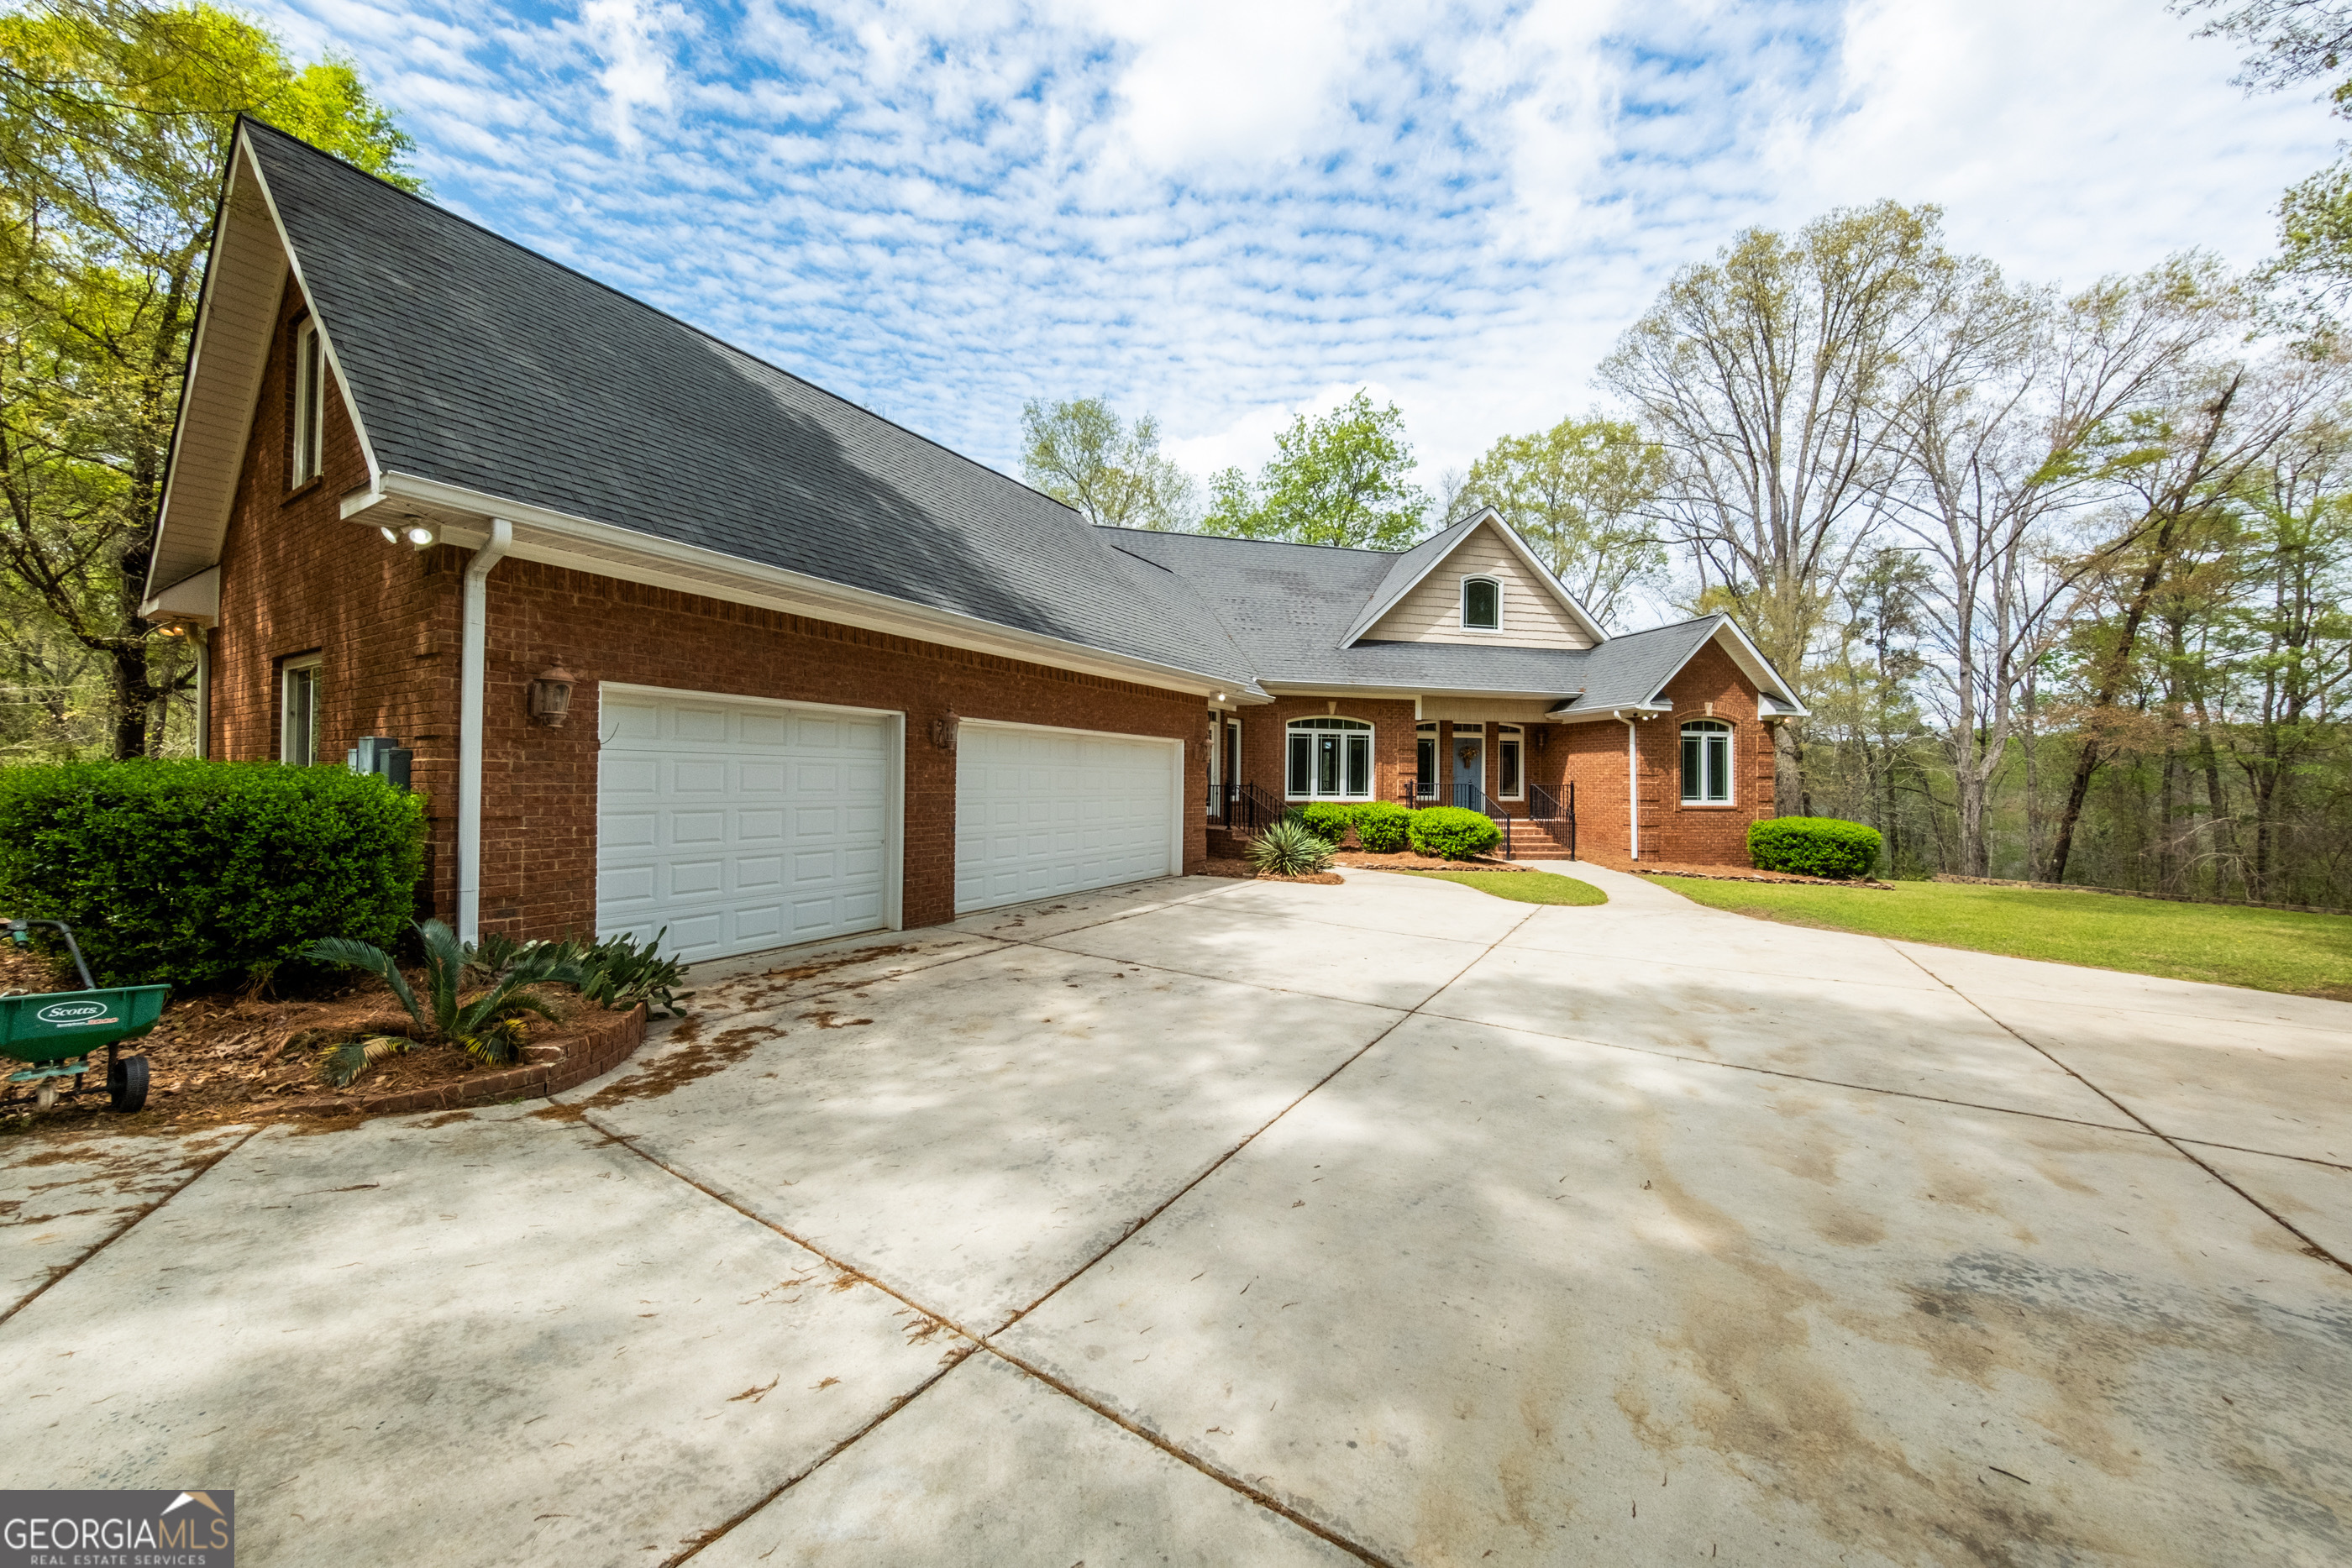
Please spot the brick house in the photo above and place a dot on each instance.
(670, 638)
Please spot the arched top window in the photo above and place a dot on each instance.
(1707, 763)
(1329, 759)
(1482, 604)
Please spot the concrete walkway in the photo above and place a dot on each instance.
(1215, 1222)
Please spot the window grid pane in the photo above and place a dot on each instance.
(1479, 604)
(1718, 767)
(1326, 765)
(1510, 750)
(1359, 765)
(1690, 768)
(1299, 748)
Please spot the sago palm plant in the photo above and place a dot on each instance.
(488, 1028)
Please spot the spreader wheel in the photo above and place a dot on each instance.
(126, 1083)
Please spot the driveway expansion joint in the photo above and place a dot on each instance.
(63, 1271)
(2312, 1247)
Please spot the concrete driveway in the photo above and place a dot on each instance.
(1214, 1222)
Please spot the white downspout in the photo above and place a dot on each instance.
(1632, 784)
(473, 638)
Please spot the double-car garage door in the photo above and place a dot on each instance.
(740, 825)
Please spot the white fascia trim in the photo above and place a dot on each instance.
(195, 597)
(318, 318)
(1751, 662)
(1518, 547)
(830, 599)
(1344, 691)
(213, 261)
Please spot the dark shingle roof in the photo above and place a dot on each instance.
(1290, 606)
(478, 363)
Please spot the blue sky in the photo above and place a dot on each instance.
(1226, 211)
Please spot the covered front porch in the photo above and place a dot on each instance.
(1507, 761)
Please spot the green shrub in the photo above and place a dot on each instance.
(1328, 819)
(193, 874)
(1288, 849)
(1452, 831)
(1381, 826)
(1814, 846)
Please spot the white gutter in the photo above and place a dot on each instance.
(1633, 783)
(471, 676)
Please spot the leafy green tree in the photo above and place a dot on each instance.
(115, 121)
(1082, 455)
(2294, 42)
(1340, 479)
(1579, 493)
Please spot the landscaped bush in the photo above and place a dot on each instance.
(1330, 820)
(193, 874)
(1814, 846)
(1381, 826)
(1452, 831)
(1288, 849)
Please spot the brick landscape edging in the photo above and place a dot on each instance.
(589, 1055)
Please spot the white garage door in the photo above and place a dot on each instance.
(740, 825)
(1046, 811)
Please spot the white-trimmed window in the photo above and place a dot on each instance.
(1424, 761)
(1707, 763)
(1510, 762)
(1482, 604)
(309, 407)
(1329, 759)
(297, 713)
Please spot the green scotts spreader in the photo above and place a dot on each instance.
(58, 1032)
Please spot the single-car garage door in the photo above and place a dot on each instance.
(740, 825)
(1045, 811)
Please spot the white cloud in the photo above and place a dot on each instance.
(1230, 211)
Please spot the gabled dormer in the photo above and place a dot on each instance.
(1475, 581)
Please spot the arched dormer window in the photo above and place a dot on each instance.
(1482, 604)
(1329, 759)
(1707, 763)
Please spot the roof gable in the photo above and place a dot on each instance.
(1427, 559)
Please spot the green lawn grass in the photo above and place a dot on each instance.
(2268, 949)
(1522, 887)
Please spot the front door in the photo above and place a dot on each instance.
(1469, 770)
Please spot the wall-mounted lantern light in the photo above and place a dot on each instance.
(550, 695)
(943, 730)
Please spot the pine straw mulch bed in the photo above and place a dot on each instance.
(1243, 870)
(1360, 859)
(1748, 873)
(223, 1058)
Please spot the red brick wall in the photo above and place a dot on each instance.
(1706, 835)
(538, 847)
(1265, 731)
(1591, 753)
(296, 579)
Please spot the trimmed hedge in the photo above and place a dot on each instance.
(1814, 846)
(1328, 819)
(193, 874)
(1454, 832)
(1381, 826)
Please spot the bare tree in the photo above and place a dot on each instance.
(1765, 377)
(2015, 415)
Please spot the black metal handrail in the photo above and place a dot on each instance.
(1248, 809)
